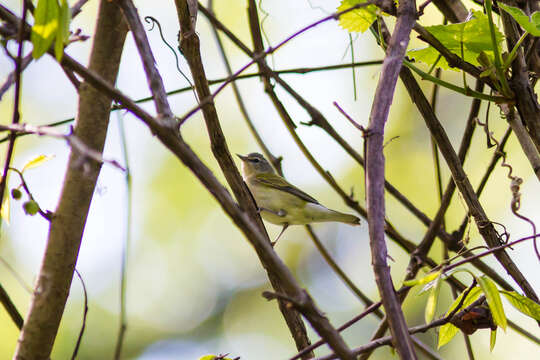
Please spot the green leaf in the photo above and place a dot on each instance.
(62, 35)
(492, 339)
(531, 25)
(45, 26)
(357, 20)
(448, 331)
(212, 357)
(431, 304)
(523, 304)
(64, 20)
(494, 300)
(474, 34)
(429, 277)
(37, 161)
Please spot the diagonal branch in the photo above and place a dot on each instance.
(485, 227)
(189, 45)
(318, 119)
(291, 316)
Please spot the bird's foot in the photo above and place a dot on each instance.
(280, 213)
(285, 226)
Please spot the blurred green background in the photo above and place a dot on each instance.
(194, 283)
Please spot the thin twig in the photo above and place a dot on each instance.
(47, 215)
(17, 276)
(275, 161)
(153, 77)
(261, 55)
(485, 227)
(527, 145)
(340, 273)
(434, 148)
(494, 159)
(11, 309)
(299, 71)
(16, 102)
(417, 329)
(85, 314)
(75, 10)
(488, 252)
(125, 244)
(72, 140)
(11, 77)
(189, 45)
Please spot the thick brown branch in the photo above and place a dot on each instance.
(54, 279)
(375, 176)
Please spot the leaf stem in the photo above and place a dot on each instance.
(464, 91)
(513, 53)
(498, 57)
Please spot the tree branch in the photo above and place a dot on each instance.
(375, 176)
(485, 227)
(56, 273)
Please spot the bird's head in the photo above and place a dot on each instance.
(255, 163)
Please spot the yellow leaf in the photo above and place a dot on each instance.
(4, 211)
(37, 161)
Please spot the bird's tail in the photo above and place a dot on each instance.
(345, 218)
(319, 213)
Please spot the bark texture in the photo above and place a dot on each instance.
(67, 226)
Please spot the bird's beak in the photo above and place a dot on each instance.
(243, 158)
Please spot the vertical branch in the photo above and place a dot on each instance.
(434, 148)
(67, 225)
(375, 176)
(126, 243)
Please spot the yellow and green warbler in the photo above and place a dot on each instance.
(282, 203)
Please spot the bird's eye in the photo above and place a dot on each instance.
(255, 160)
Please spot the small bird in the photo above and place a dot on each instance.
(282, 203)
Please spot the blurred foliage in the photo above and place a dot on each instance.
(194, 284)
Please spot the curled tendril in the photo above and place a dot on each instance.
(515, 182)
(265, 17)
(153, 22)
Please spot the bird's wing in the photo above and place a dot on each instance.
(279, 183)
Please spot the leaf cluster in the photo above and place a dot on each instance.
(51, 23)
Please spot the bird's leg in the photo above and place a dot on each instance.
(285, 226)
(280, 213)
